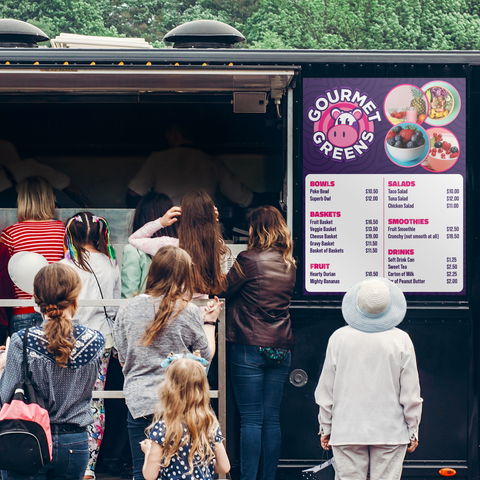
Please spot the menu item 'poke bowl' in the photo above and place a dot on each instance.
(405, 143)
(441, 102)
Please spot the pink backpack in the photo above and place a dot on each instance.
(25, 435)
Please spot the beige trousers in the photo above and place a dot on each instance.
(353, 462)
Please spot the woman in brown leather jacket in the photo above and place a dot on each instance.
(260, 287)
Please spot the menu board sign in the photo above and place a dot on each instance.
(384, 184)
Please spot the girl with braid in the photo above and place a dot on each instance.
(89, 251)
(64, 358)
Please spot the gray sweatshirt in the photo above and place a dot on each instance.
(141, 365)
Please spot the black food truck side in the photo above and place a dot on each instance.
(97, 115)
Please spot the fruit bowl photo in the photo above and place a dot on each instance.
(406, 144)
(405, 154)
(397, 115)
(444, 103)
(406, 103)
(444, 150)
(441, 102)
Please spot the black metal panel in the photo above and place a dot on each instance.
(241, 56)
(441, 339)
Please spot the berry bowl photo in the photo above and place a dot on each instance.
(406, 143)
(443, 153)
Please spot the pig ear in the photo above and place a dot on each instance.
(357, 113)
(335, 112)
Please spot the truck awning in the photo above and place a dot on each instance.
(122, 79)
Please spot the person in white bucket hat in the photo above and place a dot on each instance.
(369, 392)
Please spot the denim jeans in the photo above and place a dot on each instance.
(24, 320)
(258, 388)
(70, 459)
(136, 433)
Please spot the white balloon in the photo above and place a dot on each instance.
(22, 268)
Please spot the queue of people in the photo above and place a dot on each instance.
(165, 343)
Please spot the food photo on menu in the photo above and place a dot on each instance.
(444, 150)
(365, 208)
(406, 145)
(406, 103)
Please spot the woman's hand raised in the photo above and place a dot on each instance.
(171, 216)
(212, 310)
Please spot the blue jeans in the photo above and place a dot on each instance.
(25, 320)
(258, 388)
(136, 433)
(70, 459)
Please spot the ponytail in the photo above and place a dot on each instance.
(56, 287)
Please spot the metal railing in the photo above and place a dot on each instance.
(219, 394)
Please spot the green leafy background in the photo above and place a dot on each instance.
(278, 24)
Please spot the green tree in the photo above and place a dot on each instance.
(57, 16)
(366, 24)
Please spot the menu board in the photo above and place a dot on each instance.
(384, 184)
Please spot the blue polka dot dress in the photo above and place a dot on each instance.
(179, 468)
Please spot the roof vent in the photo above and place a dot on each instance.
(204, 34)
(17, 34)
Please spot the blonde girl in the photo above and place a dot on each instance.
(36, 231)
(185, 440)
(150, 326)
(90, 252)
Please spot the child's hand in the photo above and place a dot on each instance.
(146, 445)
(212, 310)
(170, 217)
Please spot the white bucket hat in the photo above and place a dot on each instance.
(374, 305)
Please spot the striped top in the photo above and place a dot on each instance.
(45, 238)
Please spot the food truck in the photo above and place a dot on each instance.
(371, 155)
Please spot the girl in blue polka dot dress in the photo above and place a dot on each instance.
(185, 440)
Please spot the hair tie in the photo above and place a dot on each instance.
(78, 218)
(177, 356)
(52, 311)
(95, 219)
(108, 241)
(69, 248)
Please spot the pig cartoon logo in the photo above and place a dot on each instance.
(344, 132)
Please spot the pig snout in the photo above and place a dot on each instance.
(342, 135)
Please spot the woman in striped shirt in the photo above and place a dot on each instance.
(36, 231)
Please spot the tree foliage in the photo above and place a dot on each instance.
(271, 24)
(366, 24)
(55, 16)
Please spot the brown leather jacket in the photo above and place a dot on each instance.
(257, 301)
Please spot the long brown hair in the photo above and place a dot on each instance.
(169, 277)
(185, 401)
(200, 235)
(269, 230)
(152, 206)
(55, 288)
(35, 200)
